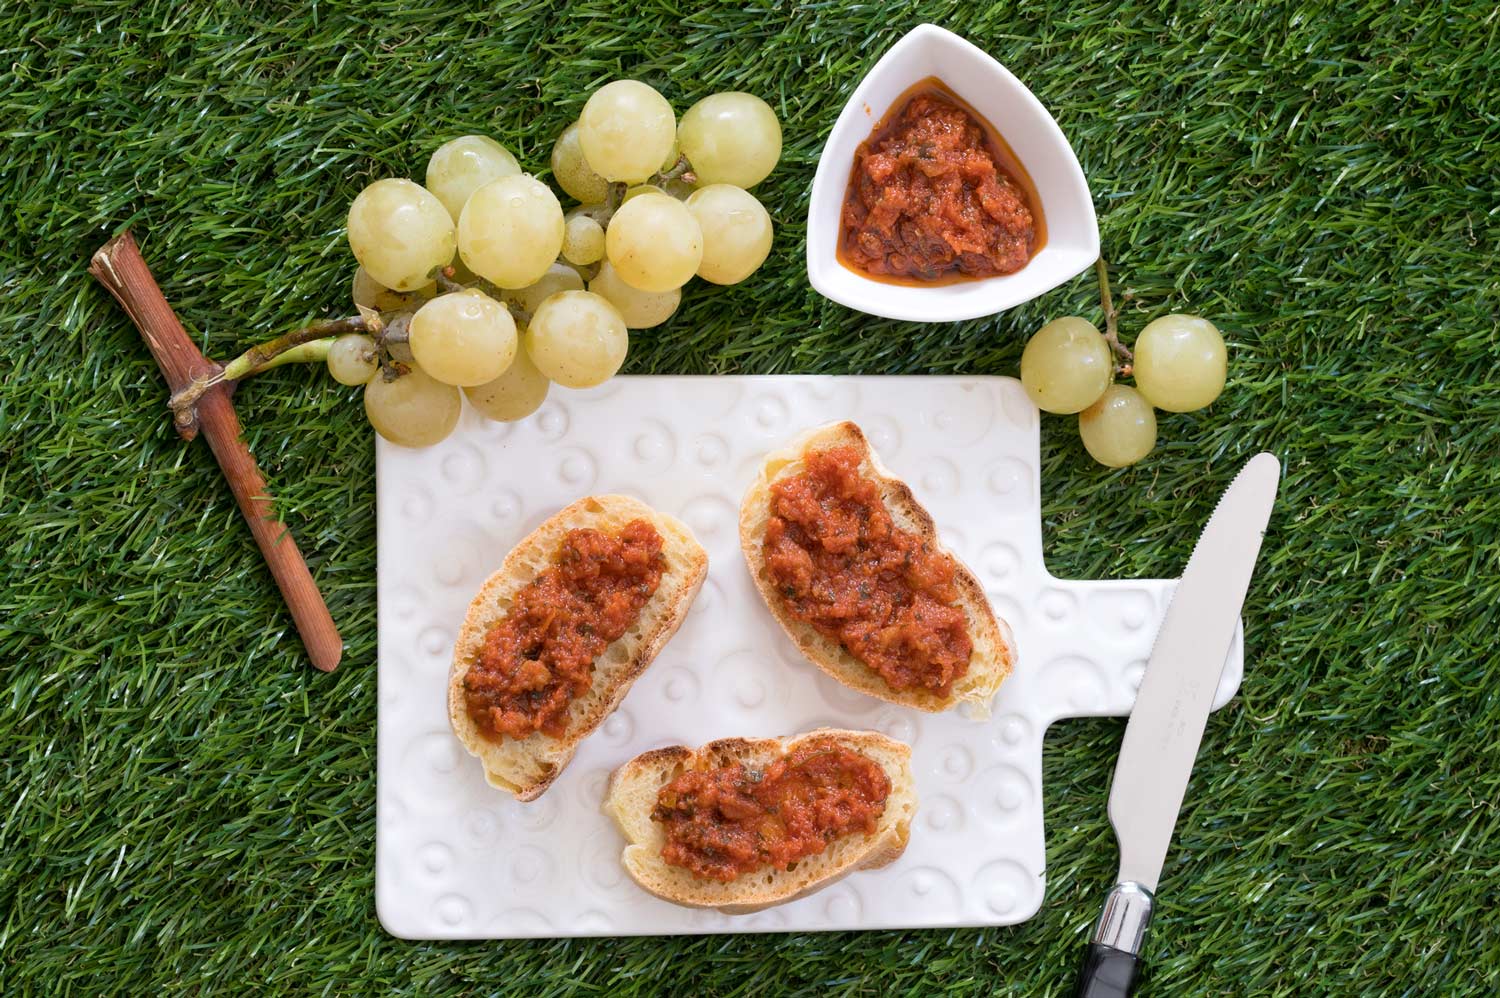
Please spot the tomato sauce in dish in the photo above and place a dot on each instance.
(535, 661)
(936, 196)
(724, 822)
(841, 563)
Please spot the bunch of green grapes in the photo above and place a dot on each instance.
(684, 206)
(479, 283)
(1180, 364)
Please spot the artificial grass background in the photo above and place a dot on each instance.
(187, 806)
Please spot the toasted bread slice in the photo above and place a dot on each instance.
(994, 652)
(526, 767)
(632, 797)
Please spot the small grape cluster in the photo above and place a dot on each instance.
(1179, 365)
(480, 281)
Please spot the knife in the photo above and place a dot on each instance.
(1166, 724)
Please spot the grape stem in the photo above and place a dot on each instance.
(681, 170)
(311, 352)
(264, 356)
(602, 213)
(615, 195)
(446, 284)
(1111, 317)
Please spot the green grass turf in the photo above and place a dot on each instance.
(187, 807)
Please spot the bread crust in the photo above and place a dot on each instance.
(994, 653)
(526, 767)
(632, 796)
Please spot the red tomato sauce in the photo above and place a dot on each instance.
(935, 196)
(540, 657)
(842, 564)
(724, 822)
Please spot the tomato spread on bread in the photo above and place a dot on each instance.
(723, 822)
(840, 562)
(536, 660)
(935, 195)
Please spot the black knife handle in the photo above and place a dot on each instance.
(1112, 961)
(1107, 973)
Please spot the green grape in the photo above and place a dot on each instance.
(731, 138)
(577, 339)
(400, 234)
(573, 173)
(460, 167)
(463, 338)
(1180, 363)
(413, 410)
(1067, 365)
(736, 232)
(583, 240)
(638, 190)
(1119, 429)
(510, 231)
(516, 394)
(370, 293)
(559, 277)
(353, 359)
(654, 243)
(639, 309)
(626, 130)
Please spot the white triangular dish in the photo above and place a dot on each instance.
(1072, 229)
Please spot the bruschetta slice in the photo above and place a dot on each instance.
(852, 567)
(740, 824)
(554, 639)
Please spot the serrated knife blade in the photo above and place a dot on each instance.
(1166, 724)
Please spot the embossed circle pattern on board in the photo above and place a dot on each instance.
(459, 859)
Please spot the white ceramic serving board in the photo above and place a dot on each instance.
(458, 859)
